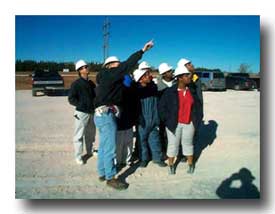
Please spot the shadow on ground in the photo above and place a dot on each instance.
(128, 172)
(247, 190)
(205, 137)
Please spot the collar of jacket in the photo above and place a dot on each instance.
(175, 87)
(84, 79)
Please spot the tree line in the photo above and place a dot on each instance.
(31, 65)
(199, 69)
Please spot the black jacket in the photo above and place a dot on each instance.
(82, 94)
(109, 90)
(197, 87)
(129, 109)
(169, 105)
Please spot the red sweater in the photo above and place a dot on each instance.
(185, 106)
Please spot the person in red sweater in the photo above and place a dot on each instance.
(178, 110)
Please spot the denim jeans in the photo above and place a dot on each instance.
(106, 159)
(149, 137)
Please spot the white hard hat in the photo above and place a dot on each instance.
(111, 59)
(181, 70)
(183, 62)
(164, 67)
(138, 73)
(79, 64)
(144, 65)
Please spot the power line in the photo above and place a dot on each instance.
(106, 35)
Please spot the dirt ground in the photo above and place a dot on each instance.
(23, 80)
(229, 141)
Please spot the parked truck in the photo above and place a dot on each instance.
(240, 81)
(47, 82)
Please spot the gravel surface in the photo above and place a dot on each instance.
(46, 169)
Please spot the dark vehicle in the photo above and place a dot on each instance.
(47, 82)
(245, 75)
(238, 83)
(211, 80)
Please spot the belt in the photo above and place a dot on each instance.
(106, 109)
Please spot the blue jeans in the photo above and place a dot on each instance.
(106, 124)
(149, 137)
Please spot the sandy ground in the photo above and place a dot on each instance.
(229, 141)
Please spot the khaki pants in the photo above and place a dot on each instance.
(84, 133)
(183, 135)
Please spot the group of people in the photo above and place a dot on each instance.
(166, 115)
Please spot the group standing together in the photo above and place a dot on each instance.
(166, 115)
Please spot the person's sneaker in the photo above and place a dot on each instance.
(160, 163)
(79, 161)
(143, 164)
(95, 152)
(86, 157)
(191, 169)
(116, 184)
(172, 170)
(101, 178)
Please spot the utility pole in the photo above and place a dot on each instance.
(106, 34)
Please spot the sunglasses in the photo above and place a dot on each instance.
(83, 67)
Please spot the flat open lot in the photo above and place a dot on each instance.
(45, 167)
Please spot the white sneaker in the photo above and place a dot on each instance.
(79, 161)
(95, 152)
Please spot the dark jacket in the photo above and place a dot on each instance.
(82, 94)
(169, 105)
(129, 108)
(109, 90)
(197, 87)
(148, 105)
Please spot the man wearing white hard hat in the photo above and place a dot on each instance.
(148, 121)
(144, 66)
(178, 109)
(81, 95)
(107, 103)
(165, 78)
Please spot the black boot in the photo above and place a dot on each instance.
(191, 169)
(172, 170)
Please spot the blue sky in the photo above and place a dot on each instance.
(209, 41)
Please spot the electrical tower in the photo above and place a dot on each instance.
(106, 35)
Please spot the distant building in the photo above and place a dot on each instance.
(66, 70)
